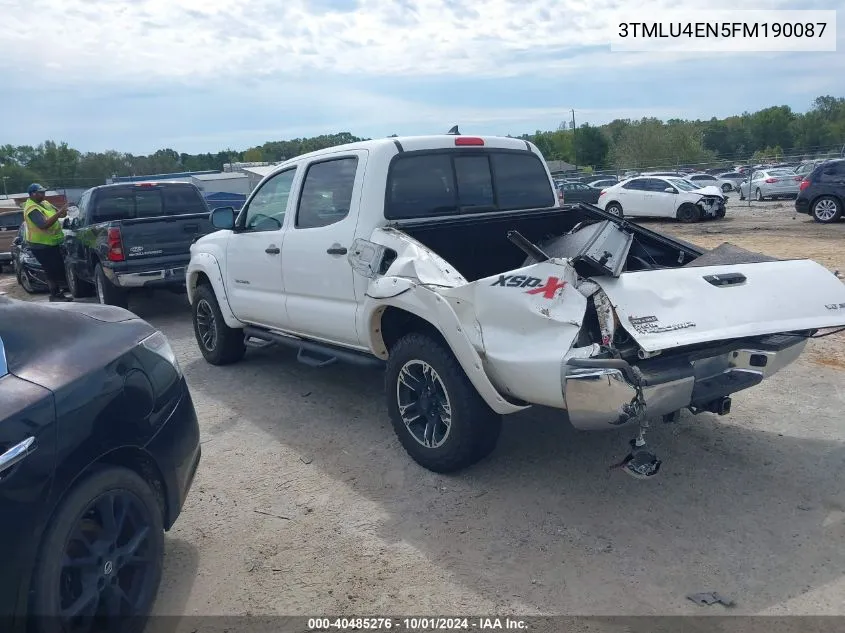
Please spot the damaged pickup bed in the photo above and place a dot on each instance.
(614, 323)
(447, 262)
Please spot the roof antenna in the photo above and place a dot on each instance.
(454, 130)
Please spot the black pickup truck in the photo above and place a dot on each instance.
(130, 236)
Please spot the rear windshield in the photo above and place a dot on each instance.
(127, 203)
(426, 184)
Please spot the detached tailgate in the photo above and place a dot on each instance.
(662, 309)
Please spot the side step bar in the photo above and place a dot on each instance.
(311, 353)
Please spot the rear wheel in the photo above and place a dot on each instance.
(75, 285)
(614, 208)
(101, 557)
(437, 414)
(688, 213)
(107, 292)
(827, 209)
(219, 343)
(726, 188)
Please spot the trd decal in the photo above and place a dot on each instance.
(547, 289)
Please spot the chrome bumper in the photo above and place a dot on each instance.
(150, 277)
(605, 393)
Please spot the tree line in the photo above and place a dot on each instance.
(623, 143)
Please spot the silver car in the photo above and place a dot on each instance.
(730, 180)
(771, 183)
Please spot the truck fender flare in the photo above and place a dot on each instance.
(435, 310)
(206, 263)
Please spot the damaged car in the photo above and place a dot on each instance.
(663, 197)
(446, 263)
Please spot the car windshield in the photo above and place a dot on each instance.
(683, 185)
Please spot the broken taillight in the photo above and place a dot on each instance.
(115, 244)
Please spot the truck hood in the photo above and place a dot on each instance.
(664, 309)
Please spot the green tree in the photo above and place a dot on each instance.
(591, 146)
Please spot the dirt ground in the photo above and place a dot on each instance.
(305, 504)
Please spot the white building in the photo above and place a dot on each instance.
(256, 174)
(231, 182)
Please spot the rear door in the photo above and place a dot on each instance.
(319, 282)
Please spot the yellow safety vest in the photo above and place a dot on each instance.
(35, 235)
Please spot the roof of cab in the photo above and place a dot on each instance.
(414, 143)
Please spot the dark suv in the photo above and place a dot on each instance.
(822, 192)
(131, 236)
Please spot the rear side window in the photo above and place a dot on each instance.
(442, 183)
(326, 193)
(11, 220)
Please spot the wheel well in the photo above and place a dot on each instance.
(839, 200)
(616, 202)
(396, 323)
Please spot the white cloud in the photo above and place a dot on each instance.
(196, 39)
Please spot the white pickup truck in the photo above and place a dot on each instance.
(448, 261)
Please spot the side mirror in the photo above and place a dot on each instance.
(670, 190)
(17, 241)
(223, 218)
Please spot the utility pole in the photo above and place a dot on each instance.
(574, 145)
(5, 192)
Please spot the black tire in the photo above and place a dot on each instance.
(225, 345)
(741, 195)
(107, 292)
(688, 213)
(758, 195)
(614, 208)
(726, 188)
(826, 209)
(474, 428)
(77, 288)
(54, 584)
(24, 282)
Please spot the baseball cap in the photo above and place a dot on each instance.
(34, 187)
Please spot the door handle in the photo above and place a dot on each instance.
(16, 454)
(337, 250)
(272, 250)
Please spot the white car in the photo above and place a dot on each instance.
(656, 197)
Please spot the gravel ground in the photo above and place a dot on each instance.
(305, 503)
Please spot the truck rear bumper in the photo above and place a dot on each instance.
(150, 278)
(604, 394)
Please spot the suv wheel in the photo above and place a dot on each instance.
(827, 209)
(437, 414)
(107, 292)
(219, 343)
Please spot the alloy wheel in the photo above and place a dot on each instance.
(206, 325)
(825, 210)
(424, 403)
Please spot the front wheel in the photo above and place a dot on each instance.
(688, 213)
(758, 195)
(102, 555)
(726, 188)
(437, 414)
(218, 343)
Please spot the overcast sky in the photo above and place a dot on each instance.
(196, 76)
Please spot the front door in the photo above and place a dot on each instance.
(254, 254)
(319, 281)
(27, 460)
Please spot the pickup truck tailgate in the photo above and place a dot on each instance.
(663, 309)
(163, 235)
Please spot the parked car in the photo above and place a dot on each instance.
(397, 254)
(729, 181)
(10, 221)
(99, 444)
(604, 182)
(28, 270)
(132, 236)
(771, 183)
(663, 197)
(706, 180)
(822, 192)
(579, 192)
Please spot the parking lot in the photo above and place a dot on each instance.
(306, 504)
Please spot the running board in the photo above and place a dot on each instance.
(311, 353)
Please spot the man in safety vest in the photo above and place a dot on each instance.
(44, 237)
